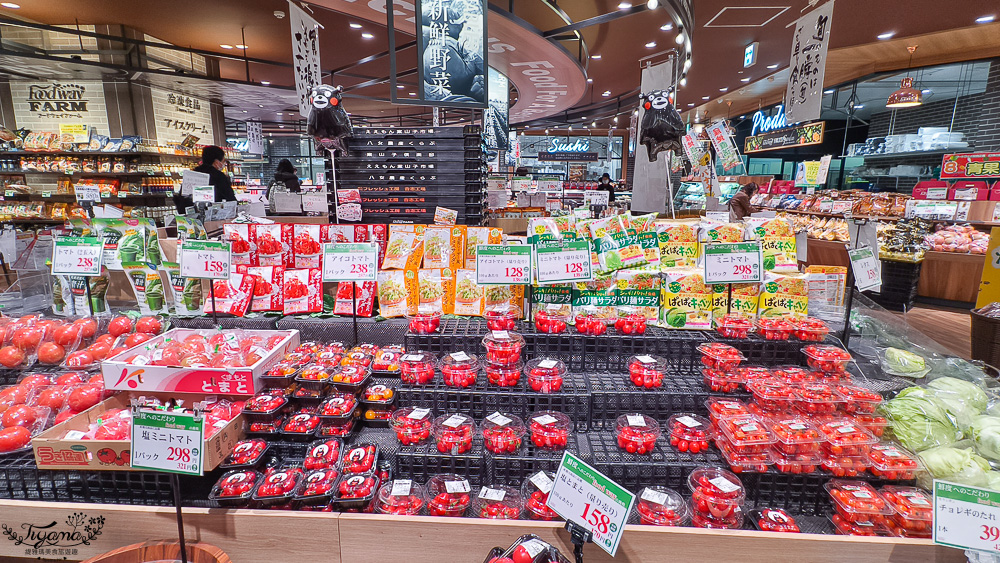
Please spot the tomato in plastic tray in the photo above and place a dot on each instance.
(720, 356)
(844, 437)
(412, 425)
(857, 501)
(550, 430)
(360, 458)
(858, 400)
(502, 433)
(535, 492)
(357, 358)
(892, 462)
(792, 374)
(298, 359)
(746, 435)
(323, 454)
(265, 429)
(317, 487)
(631, 324)
(235, 488)
(773, 520)
(810, 329)
(265, 406)
(716, 497)
(660, 506)
(772, 394)
(280, 375)
(314, 376)
(846, 527)
(417, 368)
(718, 381)
(386, 361)
(637, 433)
(734, 326)
(647, 371)
(335, 429)
(355, 491)
(498, 502)
(503, 375)
(871, 422)
(502, 317)
(309, 347)
(723, 407)
(689, 432)
(247, 454)
(459, 369)
(795, 463)
(378, 395)
(448, 495)
(337, 406)
(545, 375)
(827, 359)
(503, 347)
(756, 462)
(453, 433)
(308, 397)
(350, 378)
(913, 511)
(591, 324)
(400, 497)
(300, 425)
(750, 373)
(278, 486)
(549, 322)
(774, 328)
(424, 322)
(844, 466)
(796, 436)
(21, 423)
(816, 398)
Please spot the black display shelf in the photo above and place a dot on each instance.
(424, 461)
(512, 469)
(664, 466)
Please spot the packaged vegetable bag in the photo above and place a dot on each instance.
(148, 287)
(777, 243)
(391, 293)
(619, 250)
(678, 245)
(187, 292)
(784, 295)
(468, 294)
(745, 297)
(686, 300)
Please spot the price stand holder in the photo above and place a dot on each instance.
(207, 260)
(966, 517)
(350, 262)
(498, 264)
(733, 262)
(78, 256)
(563, 261)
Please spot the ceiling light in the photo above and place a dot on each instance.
(624, 5)
(723, 89)
(636, 112)
(651, 44)
(10, 5)
(743, 117)
(595, 57)
(704, 97)
(652, 4)
(666, 27)
(984, 19)
(281, 127)
(265, 82)
(546, 131)
(244, 47)
(355, 26)
(400, 86)
(616, 119)
(367, 36)
(684, 81)
(926, 91)
(827, 91)
(570, 128)
(690, 105)
(859, 106)
(906, 97)
(747, 79)
(279, 113)
(594, 124)
(590, 80)
(606, 93)
(224, 46)
(260, 106)
(244, 111)
(886, 35)
(413, 93)
(772, 67)
(680, 37)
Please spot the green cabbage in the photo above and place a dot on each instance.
(993, 480)
(920, 422)
(971, 394)
(985, 432)
(956, 465)
(902, 362)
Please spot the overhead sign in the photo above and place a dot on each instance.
(738, 262)
(168, 442)
(45, 106)
(976, 165)
(964, 517)
(350, 262)
(305, 55)
(563, 261)
(498, 264)
(798, 136)
(807, 68)
(726, 151)
(179, 115)
(576, 145)
(762, 122)
(495, 118)
(750, 55)
(451, 54)
(255, 137)
(568, 156)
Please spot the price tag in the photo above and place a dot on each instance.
(487, 493)
(169, 442)
(77, 256)
(733, 262)
(542, 481)
(460, 357)
(545, 419)
(596, 198)
(588, 498)
(454, 421)
(315, 202)
(563, 261)
(203, 194)
(86, 192)
(635, 420)
(457, 486)
(9, 193)
(401, 487)
(867, 268)
(547, 364)
(205, 259)
(498, 264)
(841, 206)
(645, 359)
(498, 419)
(723, 484)
(46, 194)
(717, 216)
(501, 335)
(688, 421)
(357, 261)
(657, 497)
(419, 414)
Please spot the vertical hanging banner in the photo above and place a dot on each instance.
(725, 149)
(305, 55)
(451, 53)
(693, 149)
(650, 179)
(495, 117)
(255, 137)
(807, 65)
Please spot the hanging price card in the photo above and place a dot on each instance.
(733, 262)
(966, 517)
(170, 442)
(498, 264)
(588, 498)
(561, 261)
(86, 192)
(350, 261)
(203, 194)
(867, 268)
(315, 202)
(77, 256)
(205, 259)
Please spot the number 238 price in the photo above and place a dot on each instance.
(359, 268)
(85, 263)
(597, 519)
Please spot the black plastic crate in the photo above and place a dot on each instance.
(454, 335)
(289, 451)
(422, 462)
(513, 469)
(664, 466)
(566, 346)
(341, 329)
(770, 353)
(226, 322)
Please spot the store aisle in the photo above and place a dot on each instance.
(948, 326)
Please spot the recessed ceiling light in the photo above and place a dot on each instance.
(774, 66)
(704, 97)
(367, 36)
(606, 93)
(594, 124)
(927, 91)
(984, 19)
(589, 80)
(747, 79)
(624, 5)
(652, 4)
(265, 82)
(595, 57)
(651, 44)
(413, 93)
(680, 37)
(859, 106)
(666, 27)
(244, 111)
(281, 126)
(684, 81)
(10, 5)
(279, 113)
(224, 46)
(723, 89)
(827, 91)
(241, 47)
(690, 105)
(355, 26)
(260, 105)
(886, 35)
(400, 86)
(743, 117)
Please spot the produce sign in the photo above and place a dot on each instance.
(560, 261)
(867, 268)
(350, 262)
(797, 136)
(497, 264)
(585, 496)
(738, 262)
(205, 259)
(77, 256)
(977, 165)
(169, 442)
(966, 517)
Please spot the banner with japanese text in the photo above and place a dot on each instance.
(451, 44)
(305, 55)
(976, 165)
(725, 149)
(496, 116)
(807, 65)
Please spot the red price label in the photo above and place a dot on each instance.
(85, 263)
(596, 518)
(214, 266)
(574, 268)
(514, 272)
(179, 454)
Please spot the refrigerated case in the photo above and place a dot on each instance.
(690, 196)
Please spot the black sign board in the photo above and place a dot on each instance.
(568, 156)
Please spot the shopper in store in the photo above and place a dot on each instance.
(286, 174)
(606, 185)
(213, 163)
(739, 205)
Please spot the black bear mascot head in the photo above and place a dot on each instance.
(329, 123)
(661, 127)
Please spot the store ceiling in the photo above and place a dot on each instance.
(724, 28)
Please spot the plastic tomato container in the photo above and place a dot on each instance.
(323, 454)
(912, 511)
(503, 347)
(550, 430)
(720, 356)
(265, 406)
(459, 369)
(750, 373)
(772, 394)
(503, 375)
(317, 487)
(734, 325)
(847, 528)
(718, 381)
(795, 463)
(892, 462)
(660, 506)
(502, 317)
(872, 423)
(773, 520)
(792, 374)
(756, 462)
(844, 466)
(235, 488)
(360, 458)
(350, 379)
(647, 371)
(591, 323)
(637, 433)
(632, 323)
(734, 521)
(502, 433)
(816, 398)
(247, 454)
(400, 497)
(355, 492)
(300, 425)
(535, 492)
(424, 322)
(829, 360)
(745, 435)
(417, 368)
(550, 322)
(386, 361)
(774, 328)
(337, 407)
(844, 437)
(315, 377)
(378, 395)
(795, 435)
(858, 400)
(328, 358)
(280, 375)
(857, 501)
(448, 495)
(721, 407)
(453, 433)
(498, 502)
(298, 359)
(716, 497)
(412, 425)
(689, 433)
(545, 375)
(278, 487)
(810, 329)
(335, 429)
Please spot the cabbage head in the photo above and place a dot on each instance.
(985, 431)
(956, 465)
(919, 421)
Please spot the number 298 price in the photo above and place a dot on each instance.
(182, 455)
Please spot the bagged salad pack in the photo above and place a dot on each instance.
(391, 293)
(678, 245)
(777, 242)
(745, 297)
(619, 250)
(187, 292)
(784, 295)
(686, 302)
(468, 294)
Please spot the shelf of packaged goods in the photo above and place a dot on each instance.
(95, 153)
(986, 224)
(72, 198)
(911, 154)
(260, 535)
(39, 221)
(96, 174)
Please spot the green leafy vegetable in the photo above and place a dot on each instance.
(985, 432)
(958, 465)
(920, 422)
(905, 363)
(969, 393)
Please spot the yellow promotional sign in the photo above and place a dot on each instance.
(989, 286)
(74, 132)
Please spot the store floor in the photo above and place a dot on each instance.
(950, 327)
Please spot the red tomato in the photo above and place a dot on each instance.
(136, 338)
(96, 379)
(71, 378)
(65, 415)
(105, 339)
(82, 398)
(114, 352)
(51, 353)
(29, 338)
(53, 396)
(67, 335)
(14, 438)
(148, 325)
(35, 380)
(88, 327)
(120, 326)
(18, 415)
(78, 359)
(15, 395)
(169, 357)
(97, 350)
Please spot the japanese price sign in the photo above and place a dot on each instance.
(205, 259)
(350, 261)
(498, 264)
(867, 268)
(586, 497)
(736, 262)
(77, 256)
(86, 192)
(596, 198)
(563, 261)
(966, 517)
(203, 194)
(170, 442)
(315, 202)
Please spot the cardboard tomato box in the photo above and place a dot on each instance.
(53, 450)
(245, 381)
